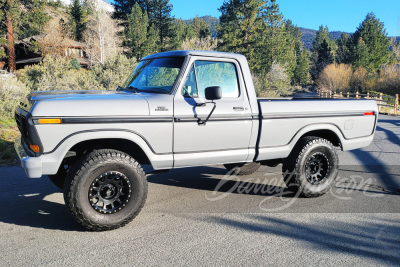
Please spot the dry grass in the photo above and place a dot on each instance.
(8, 132)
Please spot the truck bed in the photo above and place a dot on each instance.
(284, 121)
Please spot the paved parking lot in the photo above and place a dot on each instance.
(252, 221)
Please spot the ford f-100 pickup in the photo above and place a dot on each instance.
(180, 109)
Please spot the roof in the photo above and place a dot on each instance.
(184, 53)
(37, 38)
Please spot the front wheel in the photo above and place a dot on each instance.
(105, 190)
(311, 168)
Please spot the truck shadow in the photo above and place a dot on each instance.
(201, 178)
(33, 202)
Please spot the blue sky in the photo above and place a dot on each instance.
(338, 15)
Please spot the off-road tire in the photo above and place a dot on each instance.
(311, 168)
(126, 180)
(243, 168)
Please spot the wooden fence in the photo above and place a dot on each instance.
(386, 104)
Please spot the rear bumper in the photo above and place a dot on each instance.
(31, 165)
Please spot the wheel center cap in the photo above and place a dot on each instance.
(108, 191)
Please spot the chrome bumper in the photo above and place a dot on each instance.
(31, 165)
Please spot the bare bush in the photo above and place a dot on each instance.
(359, 79)
(389, 80)
(275, 84)
(205, 44)
(101, 35)
(335, 77)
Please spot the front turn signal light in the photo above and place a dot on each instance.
(52, 121)
(34, 148)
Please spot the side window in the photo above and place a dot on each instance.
(223, 74)
(190, 87)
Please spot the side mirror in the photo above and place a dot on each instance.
(213, 93)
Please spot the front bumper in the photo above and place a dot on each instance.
(31, 165)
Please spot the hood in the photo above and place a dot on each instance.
(85, 103)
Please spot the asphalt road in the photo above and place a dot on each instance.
(186, 221)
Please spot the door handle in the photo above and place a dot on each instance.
(238, 108)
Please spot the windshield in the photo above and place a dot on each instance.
(155, 75)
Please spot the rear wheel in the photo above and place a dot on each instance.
(243, 168)
(105, 190)
(311, 168)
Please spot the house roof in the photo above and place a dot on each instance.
(37, 38)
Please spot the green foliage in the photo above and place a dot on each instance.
(200, 28)
(74, 64)
(323, 51)
(257, 30)
(241, 28)
(11, 92)
(140, 38)
(302, 70)
(160, 18)
(343, 53)
(57, 74)
(78, 14)
(34, 19)
(370, 44)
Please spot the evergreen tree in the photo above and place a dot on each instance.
(322, 52)
(361, 55)
(302, 69)
(343, 54)
(78, 15)
(200, 28)
(161, 18)
(241, 28)
(277, 42)
(371, 31)
(122, 8)
(9, 14)
(140, 38)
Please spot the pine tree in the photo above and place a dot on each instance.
(122, 8)
(140, 38)
(372, 32)
(323, 51)
(78, 19)
(302, 69)
(9, 14)
(200, 28)
(343, 54)
(160, 17)
(277, 42)
(241, 28)
(361, 55)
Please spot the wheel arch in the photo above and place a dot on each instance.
(130, 143)
(330, 132)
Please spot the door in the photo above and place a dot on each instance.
(226, 136)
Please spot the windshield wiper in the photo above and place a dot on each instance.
(134, 89)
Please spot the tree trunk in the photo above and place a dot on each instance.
(10, 47)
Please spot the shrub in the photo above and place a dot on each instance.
(335, 77)
(389, 80)
(275, 84)
(11, 93)
(56, 73)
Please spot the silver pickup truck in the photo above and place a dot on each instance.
(180, 109)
